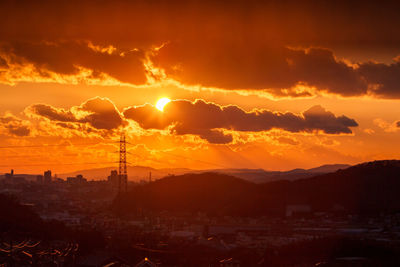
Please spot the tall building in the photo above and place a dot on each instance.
(79, 179)
(47, 177)
(113, 179)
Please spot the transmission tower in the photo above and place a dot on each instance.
(123, 175)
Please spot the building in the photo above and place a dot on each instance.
(76, 180)
(11, 178)
(47, 177)
(18, 179)
(113, 178)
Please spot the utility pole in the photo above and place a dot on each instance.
(123, 174)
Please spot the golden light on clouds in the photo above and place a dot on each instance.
(299, 94)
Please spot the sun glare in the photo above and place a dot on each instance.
(162, 102)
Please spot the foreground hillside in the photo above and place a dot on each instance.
(208, 192)
(368, 187)
(372, 187)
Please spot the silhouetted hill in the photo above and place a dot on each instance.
(263, 176)
(213, 193)
(327, 168)
(366, 188)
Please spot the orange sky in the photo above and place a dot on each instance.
(248, 90)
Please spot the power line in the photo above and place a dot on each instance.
(88, 144)
(51, 145)
(57, 164)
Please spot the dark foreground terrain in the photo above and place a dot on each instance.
(347, 218)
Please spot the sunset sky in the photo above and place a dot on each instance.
(253, 84)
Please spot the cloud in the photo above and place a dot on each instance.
(19, 130)
(102, 114)
(15, 126)
(132, 21)
(3, 63)
(208, 120)
(211, 122)
(389, 127)
(52, 113)
(383, 78)
(275, 68)
(68, 58)
(287, 140)
(265, 52)
(99, 113)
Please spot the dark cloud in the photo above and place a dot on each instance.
(15, 126)
(262, 66)
(384, 78)
(103, 114)
(319, 68)
(98, 112)
(208, 120)
(212, 136)
(398, 124)
(65, 57)
(20, 130)
(3, 63)
(52, 113)
(225, 44)
(146, 22)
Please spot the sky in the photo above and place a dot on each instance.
(253, 84)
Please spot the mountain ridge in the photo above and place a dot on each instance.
(137, 173)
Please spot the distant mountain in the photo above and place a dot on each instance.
(137, 173)
(371, 187)
(263, 176)
(329, 168)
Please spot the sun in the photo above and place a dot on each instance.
(162, 102)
